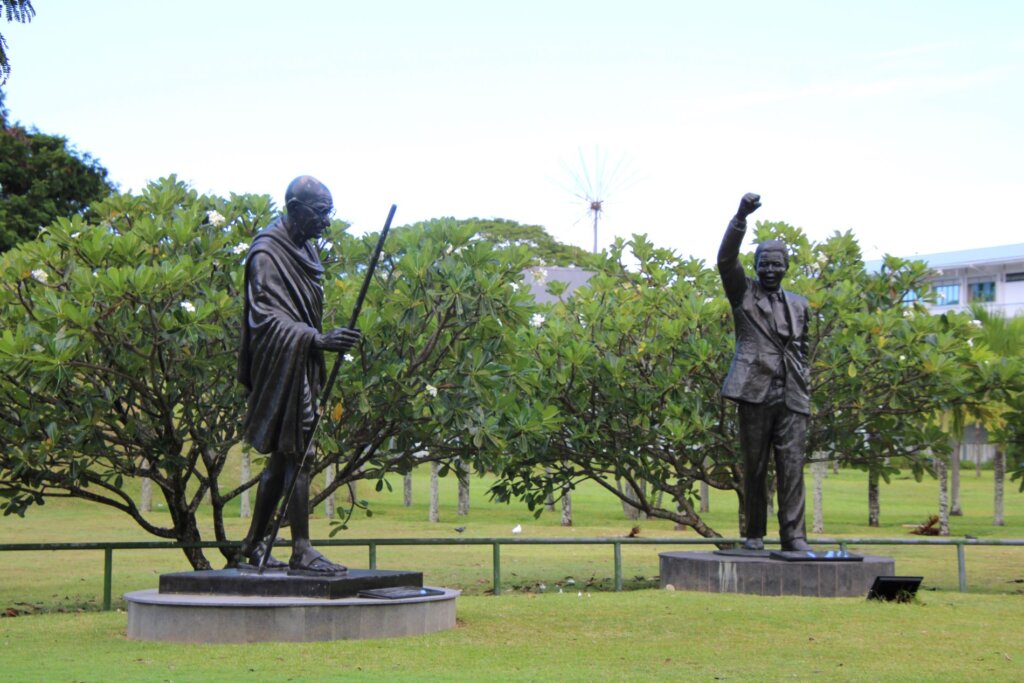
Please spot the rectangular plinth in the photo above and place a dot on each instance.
(716, 573)
(280, 584)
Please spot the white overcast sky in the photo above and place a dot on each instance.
(902, 121)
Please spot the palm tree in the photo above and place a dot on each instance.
(1004, 338)
(20, 11)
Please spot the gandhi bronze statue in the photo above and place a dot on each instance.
(281, 365)
(769, 381)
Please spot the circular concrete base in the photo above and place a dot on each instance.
(706, 571)
(192, 618)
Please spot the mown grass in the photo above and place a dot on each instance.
(633, 636)
(46, 581)
(528, 635)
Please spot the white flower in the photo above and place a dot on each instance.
(539, 275)
(690, 278)
(240, 248)
(515, 286)
(708, 299)
(348, 357)
(215, 218)
(976, 323)
(187, 305)
(75, 235)
(970, 342)
(902, 358)
(432, 390)
(537, 320)
(40, 274)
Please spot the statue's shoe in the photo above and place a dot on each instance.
(313, 563)
(753, 544)
(797, 544)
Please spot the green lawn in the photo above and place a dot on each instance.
(639, 635)
(527, 635)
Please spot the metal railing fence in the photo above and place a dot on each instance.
(108, 548)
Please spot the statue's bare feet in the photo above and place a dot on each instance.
(310, 561)
(253, 556)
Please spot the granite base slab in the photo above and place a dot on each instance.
(709, 572)
(190, 618)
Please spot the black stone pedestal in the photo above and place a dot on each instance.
(711, 572)
(278, 584)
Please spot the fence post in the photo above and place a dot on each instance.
(108, 573)
(961, 566)
(497, 568)
(373, 555)
(618, 566)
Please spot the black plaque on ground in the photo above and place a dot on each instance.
(278, 584)
(400, 592)
(815, 556)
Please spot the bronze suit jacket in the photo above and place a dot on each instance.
(761, 353)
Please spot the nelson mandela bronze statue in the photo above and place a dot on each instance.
(768, 379)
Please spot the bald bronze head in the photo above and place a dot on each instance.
(310, 207)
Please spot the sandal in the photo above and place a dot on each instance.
(312, 563)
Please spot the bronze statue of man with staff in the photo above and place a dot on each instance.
(281, 365)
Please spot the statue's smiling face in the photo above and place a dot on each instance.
(771, 267)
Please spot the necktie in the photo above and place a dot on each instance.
(779, 312)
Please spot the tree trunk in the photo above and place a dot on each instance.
(146, 495)
(942, 472)
(566, 507)
(630, 497)
(435, 513)
(818, 471)
(705, 503)
(463, 488)
(954, 481)
(352, 487)
(999, 476)
(549, 502)
(407, 489)
(835, 466)
(329, 500)
(874, 509)
(187, 532)
(245, 507)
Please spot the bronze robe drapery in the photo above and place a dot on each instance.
(278, 362)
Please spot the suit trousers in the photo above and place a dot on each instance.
(765, 429)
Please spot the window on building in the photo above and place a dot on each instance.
(982, 292)
(1015, 277)
(947, 293)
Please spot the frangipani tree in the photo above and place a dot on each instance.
(630, 370)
